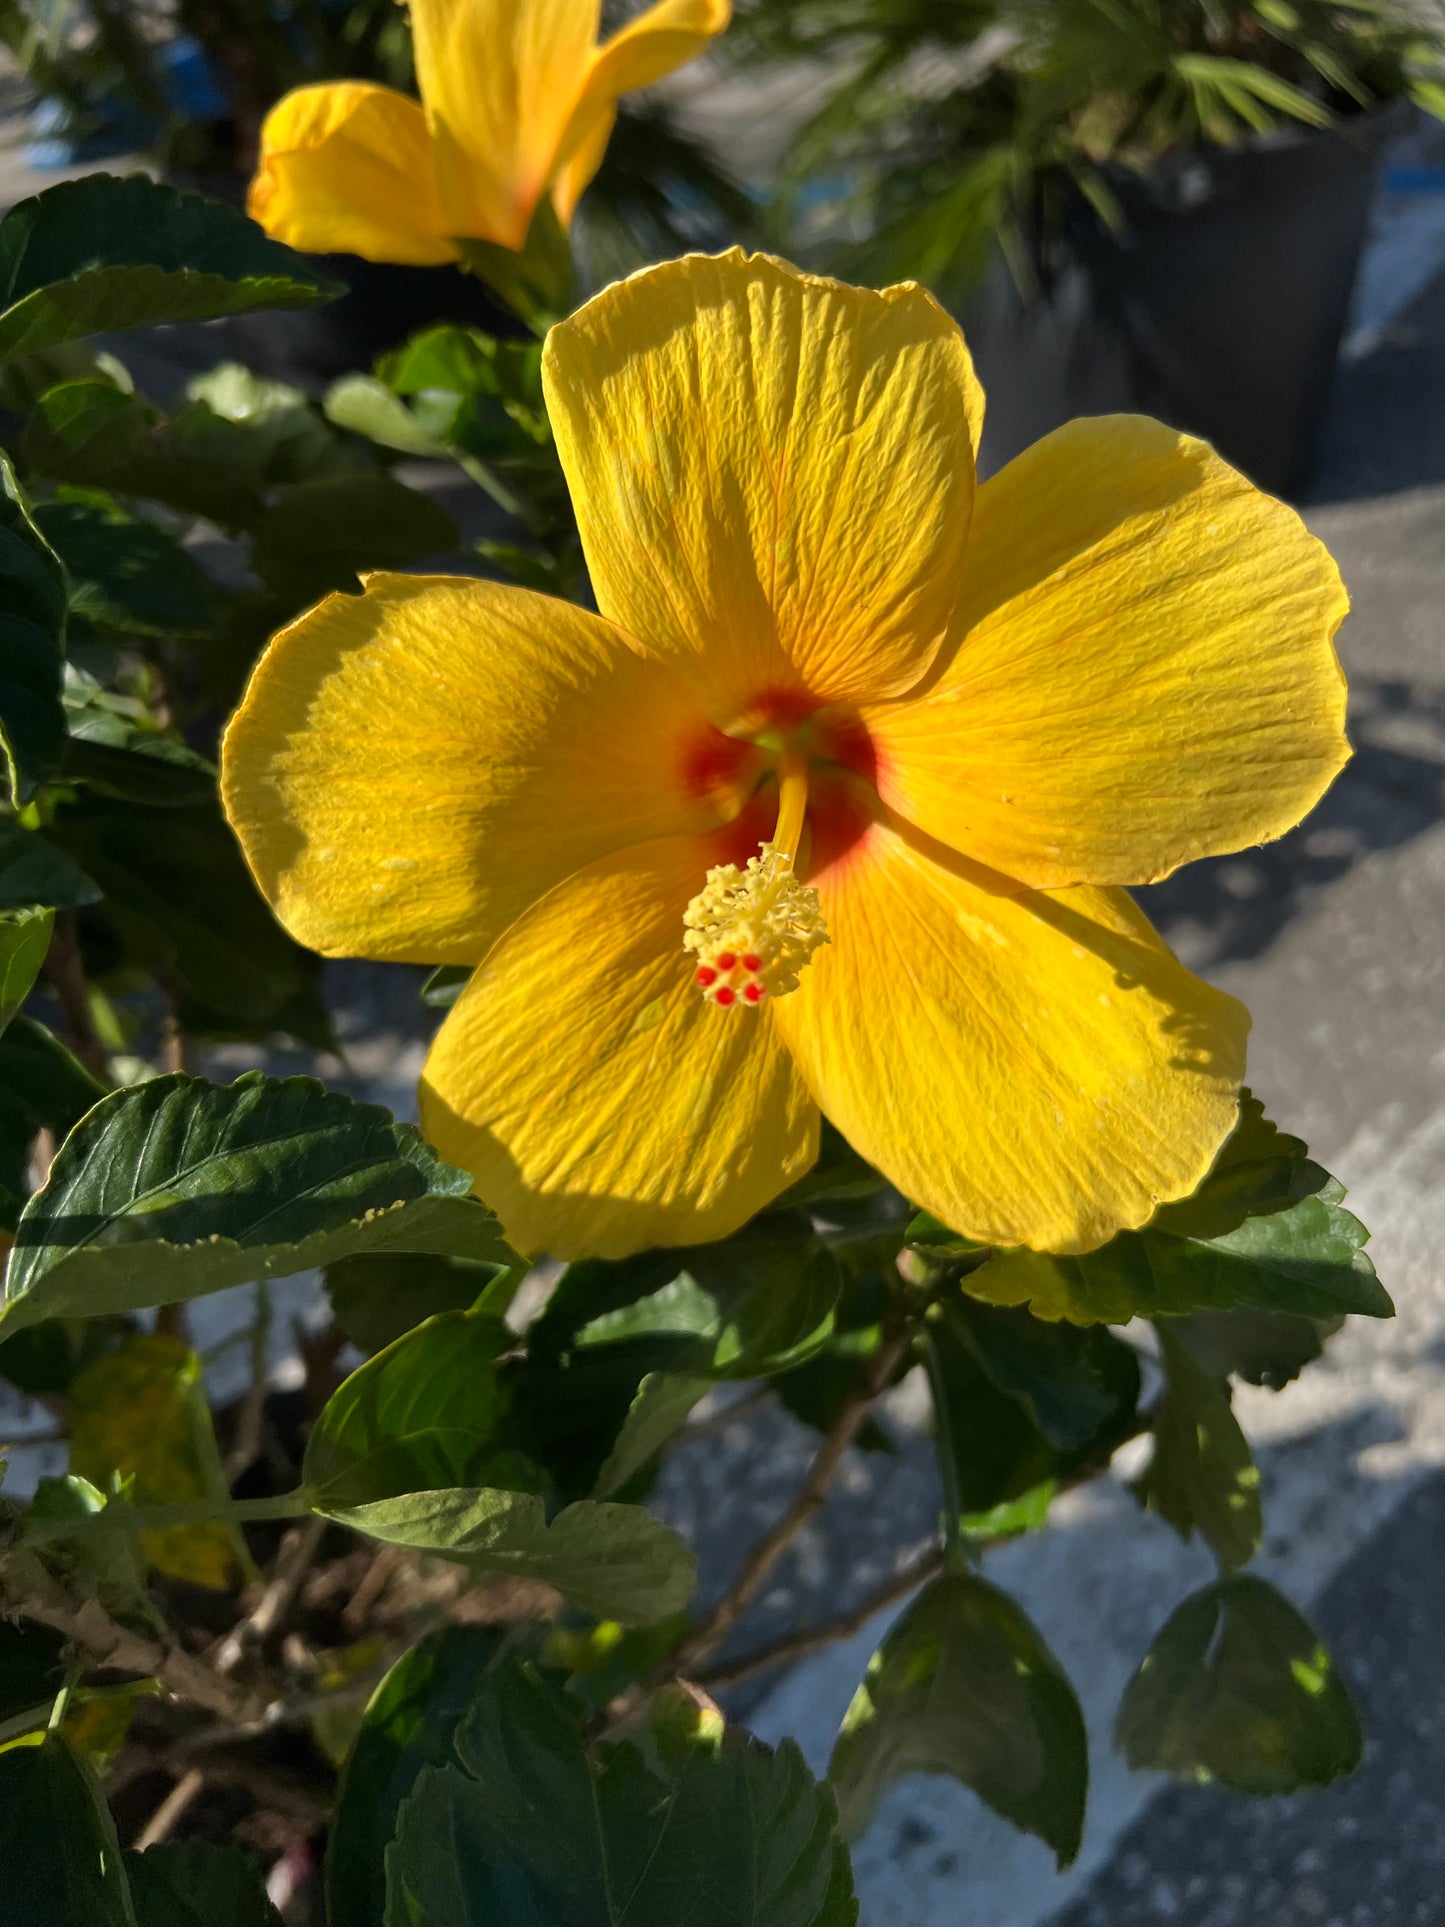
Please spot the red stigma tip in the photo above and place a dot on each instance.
(726, 961)
(750, 962)
(706, 977)
(727, 995)
(754, 993)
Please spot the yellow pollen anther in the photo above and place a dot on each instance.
(752, 930)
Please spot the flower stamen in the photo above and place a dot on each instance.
(753, 929)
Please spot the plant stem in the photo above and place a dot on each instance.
(713, 1628)
(827, 1632)
(186, 1512)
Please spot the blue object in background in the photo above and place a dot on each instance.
(186, 80)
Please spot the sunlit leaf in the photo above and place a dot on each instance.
(24, 940)
(1202, 1476)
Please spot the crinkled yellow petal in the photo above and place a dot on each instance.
(501, 81)
(773, 473)
(412, 767)
(348, 168)
(1034, 1069)
(601, 1105)
(644, 51)
(1148, 674)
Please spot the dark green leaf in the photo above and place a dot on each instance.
(1263, 1348)
(377, 1297)
(1238, 1688)
(114, 756)
(178, 1187)
(420, 1416)
(964, 1685)
(662, 1403)
(524, 1827)
(101, 254)
(445, 984)
(32, 1671)
(34, 871)
(321, 534)
(186, 1883)
(616, 1561)
(44, 1360)
(1202, 1477)
(90, 1544)
(1022, 1402)
(409, 1724)
(178, 890)
(58, 1847)
(127, 578)
(24, 940)
(1266, 1230)
(32, 642)
(41, 1087)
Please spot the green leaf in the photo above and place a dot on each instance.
(409, 1724)
(32, 1672)
(58, 1846)
(1266, 1230)
(179, 1187)
(179, 892)
(101, 254)
(32, 642)
(379, 1297)
(963, 1684)
(1238, 1688)
(662, 1404)
(41, 1087)
(420, 1416)
(1263, 1348)
(368, 407)
(1021, 1402)
(322, 534)
(88, 1541)
(140, 1415)
(127, 578)
(187, 1883)
(700, 1825)
(536, 283)
(616, 1561)
(33, 871)
(24, 940)
(1202, 1476)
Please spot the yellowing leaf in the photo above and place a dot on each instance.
(141, 1413)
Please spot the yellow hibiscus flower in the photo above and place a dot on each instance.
(829, 807)
(517, 100)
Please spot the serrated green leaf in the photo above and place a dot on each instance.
(126, 578)
(34, 872)
(963, 1684)
(58, 1844)
(616, 1561)
(523, 1826)
(1202, 1476)
(1238, 1688)
(140, 1415)
(188, 1883)
(24, 940)
(179, 1187)
(102, 254)
(1262, 1348)
(1266, 1231)
(32, 642)
(420, 1416)
(409, 1724)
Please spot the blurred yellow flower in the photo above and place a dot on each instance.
(517, 101)
(831, 803)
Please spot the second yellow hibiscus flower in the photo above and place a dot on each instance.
(830, 807)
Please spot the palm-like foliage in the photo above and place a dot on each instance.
(961, 123)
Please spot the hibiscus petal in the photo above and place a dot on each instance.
(501, 80)
(348, 168)
(1034, 1069)
(1148, 674)
(601, 1105)
(412, 767)
(773, 473)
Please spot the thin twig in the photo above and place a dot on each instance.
(374, 1582)
(293, 1562)
(171, 1810)
(713, 1628)
(725, 1414)
(246, 1444)
(812, 1639)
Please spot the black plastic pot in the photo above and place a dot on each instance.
(1219, 308)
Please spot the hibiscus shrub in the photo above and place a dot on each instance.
(810, 819)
